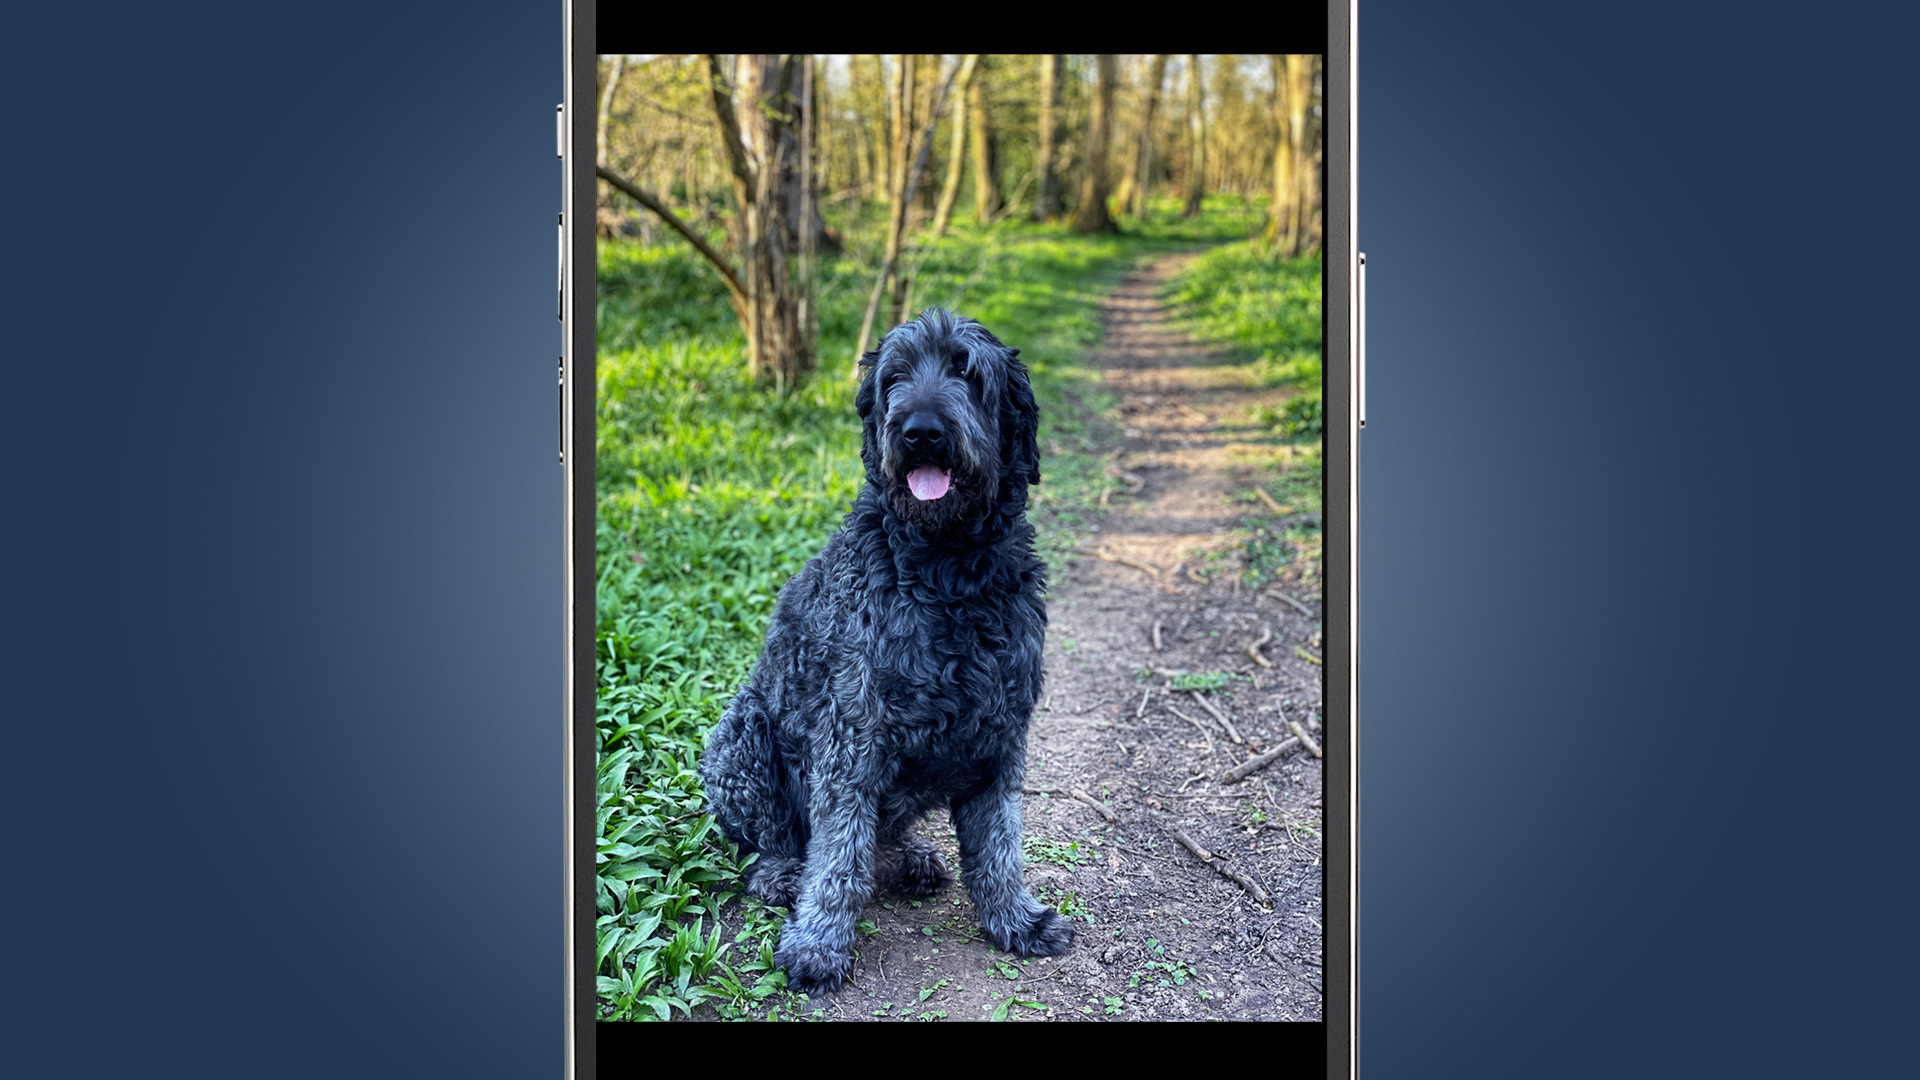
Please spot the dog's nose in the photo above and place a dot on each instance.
(923, 430)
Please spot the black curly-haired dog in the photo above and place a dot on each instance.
(902, 666)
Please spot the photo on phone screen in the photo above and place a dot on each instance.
(959, 471)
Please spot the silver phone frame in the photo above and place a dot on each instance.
(1343, 396)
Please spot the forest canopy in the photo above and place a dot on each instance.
(768, 163)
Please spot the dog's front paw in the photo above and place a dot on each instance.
(1047, 935)
(813, 969)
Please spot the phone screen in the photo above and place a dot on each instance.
(959, 473)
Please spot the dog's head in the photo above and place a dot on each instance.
(950, 427)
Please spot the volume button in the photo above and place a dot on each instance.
(1360, 333)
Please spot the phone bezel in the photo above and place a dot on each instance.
(1341, 506)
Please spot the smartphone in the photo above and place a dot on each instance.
(961, 459)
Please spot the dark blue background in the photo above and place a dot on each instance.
(282, 769)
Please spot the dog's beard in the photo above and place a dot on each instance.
(937, 494)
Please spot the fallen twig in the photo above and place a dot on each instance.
(1297, 605)
(1097, 808)
(1306, 739)
(1255, 764)
(1253, 888)
(1307, 656)
(1106, 556)
(1253, 647)
(1232, 733)
(1268, 499)
(1142, 710)
(1204, 733)
(1157, 647)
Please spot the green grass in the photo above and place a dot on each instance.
(713, 492)
(1267, 313)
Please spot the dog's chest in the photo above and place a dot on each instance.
(957, 681)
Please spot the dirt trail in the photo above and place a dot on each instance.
(1160, 936)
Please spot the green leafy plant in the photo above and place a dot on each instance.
(1203, 680)
(1069, 855)
(1000, 1010)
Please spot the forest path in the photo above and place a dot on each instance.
(1159, 935)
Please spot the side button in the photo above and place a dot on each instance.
(1360, 309)
(563, 410)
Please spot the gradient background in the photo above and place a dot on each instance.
(281, 770)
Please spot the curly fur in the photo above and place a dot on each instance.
(901, 668)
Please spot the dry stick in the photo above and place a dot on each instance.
(1106, 556)
(1156, 636)
(1179, 568)
(1144, 695)
(1253, 765)
(1225, 871)
(1097, 808)
(1268, 499)
(1253, 647)
(1307, 656)
(1297, 605)
(1203, 731)
(1306, 739)
(1232, 733)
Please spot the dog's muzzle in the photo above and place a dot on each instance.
(925, 438)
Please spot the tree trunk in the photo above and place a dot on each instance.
(986, 158)
(890, 268)
(1282, 223)
(881, 139)
(957, 153)
(1196, 138)
(1046, 205)
(809, 198)
(792, 176)
(606, 109)
(1091, 215)
(1294, 228)
(1308, 170)
(1131, 197)
(903, 86)
(754, 134)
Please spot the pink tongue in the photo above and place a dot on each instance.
(929, 483)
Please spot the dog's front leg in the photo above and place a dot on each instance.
(989, 829)
(816, 945)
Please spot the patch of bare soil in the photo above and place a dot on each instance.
(1122, 763)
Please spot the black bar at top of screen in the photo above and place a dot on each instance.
(1288, 28)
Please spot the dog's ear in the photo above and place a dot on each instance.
(1019, 423)
(866, 403)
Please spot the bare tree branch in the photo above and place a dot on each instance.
(723, 112)
(633, 191)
